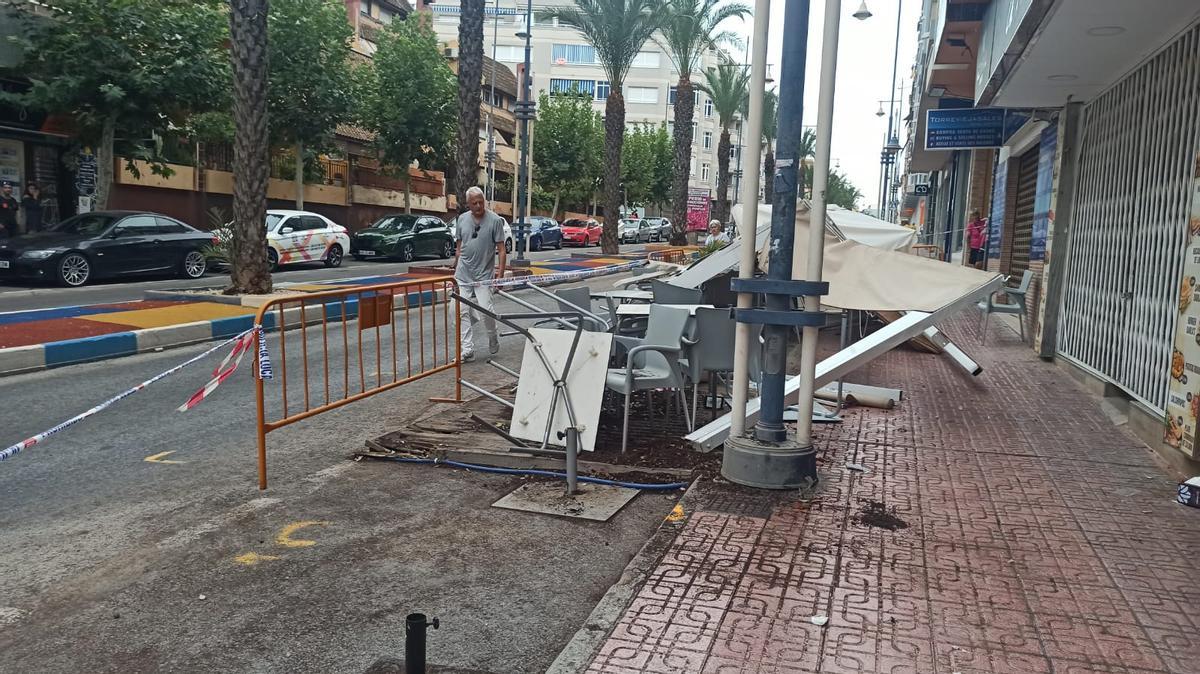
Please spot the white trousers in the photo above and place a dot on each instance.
(481, 295)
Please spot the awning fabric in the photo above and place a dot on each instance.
(871, 231)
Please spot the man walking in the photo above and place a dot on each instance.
(8, 210)
(480, 240)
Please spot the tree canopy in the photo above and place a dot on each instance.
(568, 151)
(647, 164)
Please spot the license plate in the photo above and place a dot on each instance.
(3, 264)
(367, 253)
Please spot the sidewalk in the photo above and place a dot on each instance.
(1003, 525)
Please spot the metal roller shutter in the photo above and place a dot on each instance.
(1026, 188)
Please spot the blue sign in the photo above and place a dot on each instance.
(1042, 216)
(964, 129)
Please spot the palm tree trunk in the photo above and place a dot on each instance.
(685, 111)
(299, 176)
(104, 162)
(614, 140)
(722, 213)
(768, 163)
(248, 32)
(470, 77)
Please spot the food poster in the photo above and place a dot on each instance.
(1183, 396)
(1046, 200)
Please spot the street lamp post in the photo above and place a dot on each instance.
(491, 134)
(526, 110)
(889, 155)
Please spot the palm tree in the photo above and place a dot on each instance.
(690, 28)
(616, 29)
(470, 77)
(770, 128)
(727, 86)
(249, 271)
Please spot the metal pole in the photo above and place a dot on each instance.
(748, 231)
(770, 428)
(525, 113)
(883, 200)
(816, 228)
(414, 642)
(845, 321)
(572, 461)
(491, 141)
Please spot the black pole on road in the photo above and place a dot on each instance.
(770, 459)
(415, 626)
(526, 110)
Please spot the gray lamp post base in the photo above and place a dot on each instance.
(783, 465)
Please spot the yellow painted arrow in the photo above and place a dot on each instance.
(252, 558)
(158, 458)
(285, 534)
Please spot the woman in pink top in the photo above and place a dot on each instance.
(976, 238)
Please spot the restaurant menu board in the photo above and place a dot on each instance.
(1183, 395)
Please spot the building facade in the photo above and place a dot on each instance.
(562, 61)
(1091, 183)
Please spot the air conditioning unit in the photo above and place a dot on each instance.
(450, 52)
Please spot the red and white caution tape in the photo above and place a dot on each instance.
(26, 444)
(244, 345)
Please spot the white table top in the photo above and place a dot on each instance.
(644, 309)
(644, 295)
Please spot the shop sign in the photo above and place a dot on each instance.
(964, 128)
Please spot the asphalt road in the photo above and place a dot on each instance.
(110, 562)
(22, 296)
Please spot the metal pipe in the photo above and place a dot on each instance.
(486, 393)
(749, 228)
(491, 141)
(770, 428)
(414, 641)
(524, 114)
(572, 460)
(816, 229)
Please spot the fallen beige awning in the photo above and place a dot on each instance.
(870, 279)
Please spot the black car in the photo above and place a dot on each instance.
(104, 244)
(544, 233)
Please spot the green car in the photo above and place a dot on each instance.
(403, 237)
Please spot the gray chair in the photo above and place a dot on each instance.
(665, 293)
(1016, 305)
(651, 362)
(710, 349)
(576, 299)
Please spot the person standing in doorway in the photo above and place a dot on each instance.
(976, 239)
(31, 203)
(8, 210)
(480, 241)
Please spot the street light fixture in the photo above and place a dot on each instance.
(879, 112)
(863, 13)
(526, 110)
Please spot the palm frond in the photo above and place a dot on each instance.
(692, 27)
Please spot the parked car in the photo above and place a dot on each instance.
(634, 231)
(661, 229)
(300, 236)
(403, 237)
(544, 233)
(576, 232)
(104, 244)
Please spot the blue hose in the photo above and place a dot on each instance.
(534, 471)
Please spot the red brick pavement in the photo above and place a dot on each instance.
(1039, 538)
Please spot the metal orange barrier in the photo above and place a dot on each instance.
(368, 335)
(670, 255)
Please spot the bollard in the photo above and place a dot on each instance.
(572, 460)
(414, 642)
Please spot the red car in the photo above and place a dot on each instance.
(576, 232)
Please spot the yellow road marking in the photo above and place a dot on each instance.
(158, 458)
(676, 513)
(252, 558)
(285, 534)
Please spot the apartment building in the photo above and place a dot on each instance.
(561, 61)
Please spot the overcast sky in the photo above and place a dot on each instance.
(864, 77)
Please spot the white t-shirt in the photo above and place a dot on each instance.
(720, 237)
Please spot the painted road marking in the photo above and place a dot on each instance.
(158, 458)
(676, 513)
(285, 534)
(252, 558)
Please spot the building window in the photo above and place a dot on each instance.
(704, 169)
(708, 107)
(671, 95)
(670, 128)
(509, 53)
(364, 7)
(643, 95)
(694, 129)
(647, 59)
(574, 54)
(565, 86)
(602, 89)
(386, 15)
(708, 140)
(692, 170)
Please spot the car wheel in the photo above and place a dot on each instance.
(407, 253)
(508, 245)
(334, 257)
(272, 260)
(194, 265)
(559, 245)
(535, 244)
(74, 270)
(447, 250)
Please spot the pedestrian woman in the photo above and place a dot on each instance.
(977, 239)
(31, 203)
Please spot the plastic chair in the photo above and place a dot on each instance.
(576, 299)
(990, 306)
(651, 362)
(709, 350)
(665, 293)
